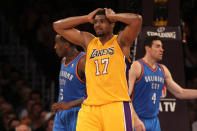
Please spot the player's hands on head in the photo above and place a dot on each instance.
(91, 15)
(109, 12)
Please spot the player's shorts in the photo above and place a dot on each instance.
(152, 124)
(66, 120)
(116, 116)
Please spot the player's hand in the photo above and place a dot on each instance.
(139, 125)
(91, 15)
(56, 107)
(109, 12)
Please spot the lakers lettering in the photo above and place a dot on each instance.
(102, 52)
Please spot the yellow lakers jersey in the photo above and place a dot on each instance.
(105, 73)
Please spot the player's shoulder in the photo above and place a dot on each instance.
(63, 59)
(136, 69)
(82, 59)
(136, 63)
(163, 66)
(81, 64)
(87, 37)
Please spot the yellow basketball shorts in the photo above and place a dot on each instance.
(116, 116)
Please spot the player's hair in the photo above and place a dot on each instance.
(100, 12)
(64, 40)
(149, 41)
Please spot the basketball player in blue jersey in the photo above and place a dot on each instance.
(71, 85)
(146, 80)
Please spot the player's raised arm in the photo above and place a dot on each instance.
(65, 27)
(132, 29)
(176, 89)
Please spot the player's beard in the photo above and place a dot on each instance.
(159, 58)
(100, 34)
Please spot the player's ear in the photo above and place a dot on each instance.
(113, 25)
(66, 44)
(147, 48)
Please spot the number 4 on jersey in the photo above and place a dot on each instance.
(154, 98)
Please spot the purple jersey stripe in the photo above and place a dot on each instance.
(127, 113)
(128, 65)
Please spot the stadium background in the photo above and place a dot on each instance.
(29, 65)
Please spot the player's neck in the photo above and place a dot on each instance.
(104, 39)
(151, 62)
(74, 53)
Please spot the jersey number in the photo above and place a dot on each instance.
(61, 94)
(103, 61)
(154, 98)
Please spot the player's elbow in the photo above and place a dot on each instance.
(138, 20)
(56, 26)
(180, 94)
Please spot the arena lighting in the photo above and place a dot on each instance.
(160, 13)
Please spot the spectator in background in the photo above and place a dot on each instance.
(2, 99)
(34, 117)
(23, 127)
(49, 123)
(13, 124)
(45, 33)
(7, 117)
(5, 107)
(45, 116)
(36, 96)
(24, 113)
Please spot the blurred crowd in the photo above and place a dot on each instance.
(19, 104)
(189, 28)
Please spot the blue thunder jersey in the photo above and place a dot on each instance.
(147, 91)
(71, 86)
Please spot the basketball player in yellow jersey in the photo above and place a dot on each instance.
(107, 106)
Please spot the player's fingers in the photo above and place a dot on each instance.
(98, 9)
(143, 128)
(140, 128)
(53, 109)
